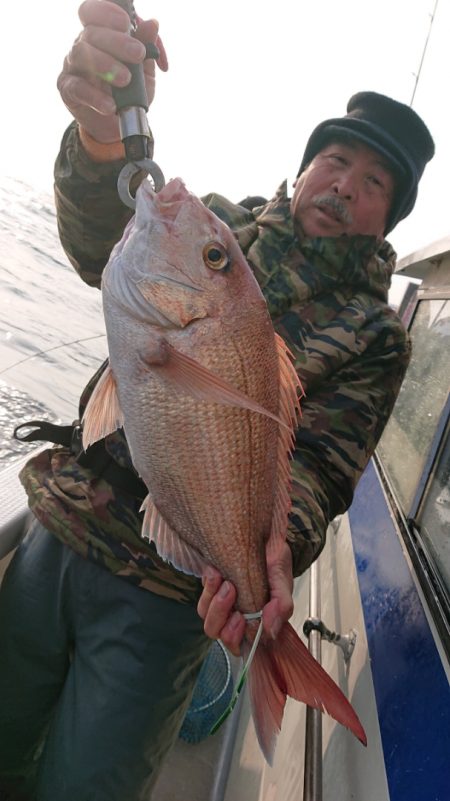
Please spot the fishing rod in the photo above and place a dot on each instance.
(432, 16)
(50, 350)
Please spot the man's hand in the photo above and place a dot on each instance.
(97, 61)
(217, 600)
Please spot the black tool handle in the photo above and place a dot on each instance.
(135, 94)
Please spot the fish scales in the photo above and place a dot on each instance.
(211, 468)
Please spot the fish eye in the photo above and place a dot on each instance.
(215, 256)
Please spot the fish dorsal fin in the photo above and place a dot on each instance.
(169, 545)
(289, 409)
(179, 303)
(103, 414)
(188, 375)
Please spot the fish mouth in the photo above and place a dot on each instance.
(174, 192)
(164, 205)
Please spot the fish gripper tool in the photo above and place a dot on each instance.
(132, 106)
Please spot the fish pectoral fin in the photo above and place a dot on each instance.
(289, 408)
(103, 414)
(188, 375)
(179, 303)
(169, 545)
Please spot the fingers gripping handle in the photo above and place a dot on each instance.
(135, 94)
(132, 102)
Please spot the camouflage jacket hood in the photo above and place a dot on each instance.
(328, 299)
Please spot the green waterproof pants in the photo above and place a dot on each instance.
(95, 677)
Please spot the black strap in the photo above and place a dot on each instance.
(48, 432)
(96, 458)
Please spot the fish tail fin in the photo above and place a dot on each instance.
(286, 667)
(267, 697)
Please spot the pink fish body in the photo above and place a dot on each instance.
(208, 398)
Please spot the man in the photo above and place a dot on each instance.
(101, 652)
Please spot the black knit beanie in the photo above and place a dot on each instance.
(391, 128)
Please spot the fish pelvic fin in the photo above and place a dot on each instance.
(188, 375)
(291, 392)
(103, 414)
(286, 667)
(169, 545)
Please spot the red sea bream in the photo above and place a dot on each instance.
(208, 398)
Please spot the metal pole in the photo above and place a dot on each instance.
(312, 782)
(222, 772)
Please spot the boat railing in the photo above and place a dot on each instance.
(316, 631)
(312, 782)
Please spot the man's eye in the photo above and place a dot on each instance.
(375, 180)
(337, 157)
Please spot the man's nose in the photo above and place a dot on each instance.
(345, 186)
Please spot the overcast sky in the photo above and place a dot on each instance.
(248, 81)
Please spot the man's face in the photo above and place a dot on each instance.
(346, 189)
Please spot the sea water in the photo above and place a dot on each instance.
(52, 335)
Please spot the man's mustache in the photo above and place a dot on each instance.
(337, 206)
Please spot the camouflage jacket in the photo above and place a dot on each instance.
(327, 298)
